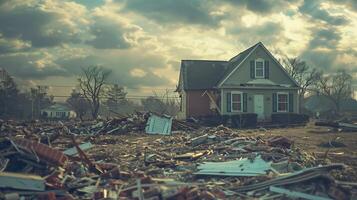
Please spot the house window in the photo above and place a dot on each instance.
(259, 68)
(60, 114)
(236, 101)
(282, 102)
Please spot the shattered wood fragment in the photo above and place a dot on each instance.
(166, 165)
(280, 141)
(44, 152)
(192, 155)
(199, 140)
(116, 174)
(92, 166)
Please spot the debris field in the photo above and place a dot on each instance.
(123, 158)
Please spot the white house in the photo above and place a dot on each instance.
(58, 111)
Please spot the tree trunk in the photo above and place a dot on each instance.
(301, 102)
(95, 110)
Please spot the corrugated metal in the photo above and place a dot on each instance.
(242, 167)
(159, 125)
(21, 181)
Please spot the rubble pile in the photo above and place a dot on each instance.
(135, 123)
(91, 161)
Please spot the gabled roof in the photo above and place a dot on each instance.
(207, 74)
(236, 60)
(201, 74)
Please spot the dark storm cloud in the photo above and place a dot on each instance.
(174, 11)
(313, 9)
(260, 6)
(319, 58)
(30, 22)
(27, 66)
(326, 38)
(13, 45)
(322, 50)
(108, 35)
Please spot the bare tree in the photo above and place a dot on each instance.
(336, 87)
(92, 83)
(305, 75)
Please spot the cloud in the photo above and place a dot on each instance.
(143, 41)
(260, 6)
(13, 45)
(320, 59)
(108, 35)
(121, 63)
(316, 12)
(111, 29)
(34, 65)
(43, 23)
(325, 38)
(268, 33)
(173, 11)
(323, 50)
(351, 4)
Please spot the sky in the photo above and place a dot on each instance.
(48, 42)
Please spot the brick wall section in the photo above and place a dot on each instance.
(44, 152)
(198, 105)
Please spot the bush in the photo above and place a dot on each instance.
(243, 120)
(289, 118)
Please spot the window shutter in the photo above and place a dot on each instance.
(274, 101)
(266, 69)
(228, 102)
(245, 102)
(252, 69)
(291, 102)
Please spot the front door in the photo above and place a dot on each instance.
(259, 106)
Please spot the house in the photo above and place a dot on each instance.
(251, 82)
(58, 111)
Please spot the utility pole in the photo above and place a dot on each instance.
(33, 96)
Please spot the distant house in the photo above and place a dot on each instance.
(251, 82)
(322, 105)
(58, 111)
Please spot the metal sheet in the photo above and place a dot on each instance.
(21, 181)
(291, 193)
(242, 167)
(159, 125)
(73, 151)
